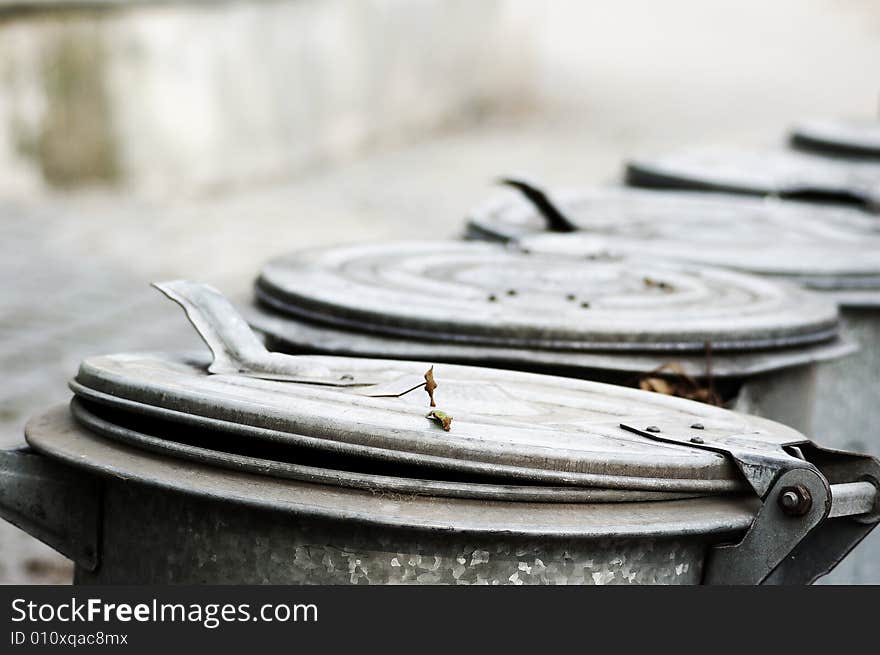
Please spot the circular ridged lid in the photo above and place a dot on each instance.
(519, 426)
(289, 334)
(56, 435)
(846, 137)
(486, 294)
(825, 248)
(762, 172)
(216, 443)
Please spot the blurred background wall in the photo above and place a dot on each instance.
(176, 96)
(146, 140)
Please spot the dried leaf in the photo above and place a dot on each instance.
(444, 419)
(679, 384)
(658, 385)
(430, 385)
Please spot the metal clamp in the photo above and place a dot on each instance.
(818, 504)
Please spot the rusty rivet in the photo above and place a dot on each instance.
(652, 428)
(796, 500)
(492, 298)
(697, 426)
(697, 440)
(511, 292)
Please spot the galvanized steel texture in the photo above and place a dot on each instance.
(56, 435)
(484, 294)
(200, 445)
(761, 172)
(522, 425)
(206, 541)
(851, 137)
(846, 413)
(288, 334)
(827, 248)
(218, 526)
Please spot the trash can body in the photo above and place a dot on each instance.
(214, 542)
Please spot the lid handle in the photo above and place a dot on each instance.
(556, 221)
(235, 347)
(232, 342)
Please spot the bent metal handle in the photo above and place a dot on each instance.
(232, 342)
(235, 347)
(556, 220)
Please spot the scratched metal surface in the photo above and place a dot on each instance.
(822, 247)
(213, 444)
(289, 334)
(521, 425)
(847, 416)
(846, 413)
(218, 543)
(481, 293)
(844, 136)
(55, 434)
(762, 172)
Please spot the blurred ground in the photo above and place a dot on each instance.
(607, 82)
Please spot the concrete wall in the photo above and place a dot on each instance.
(688, 70)
(170, 97)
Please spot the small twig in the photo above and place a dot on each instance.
(444, 419)
(398, 395)
(429, 385)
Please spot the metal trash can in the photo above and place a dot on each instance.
(625, 321)
(831, 250)
(772, 172)
(258, 467)
(840, 137)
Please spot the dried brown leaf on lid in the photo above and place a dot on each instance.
(657, 385)
(430, 385)
(444, 419)
(680, 384)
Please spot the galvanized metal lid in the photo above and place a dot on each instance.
(506, 424)
(288, 334)
(56, 435)
(821, 247)
(851, 137)
(485, 294)
(779, 172)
